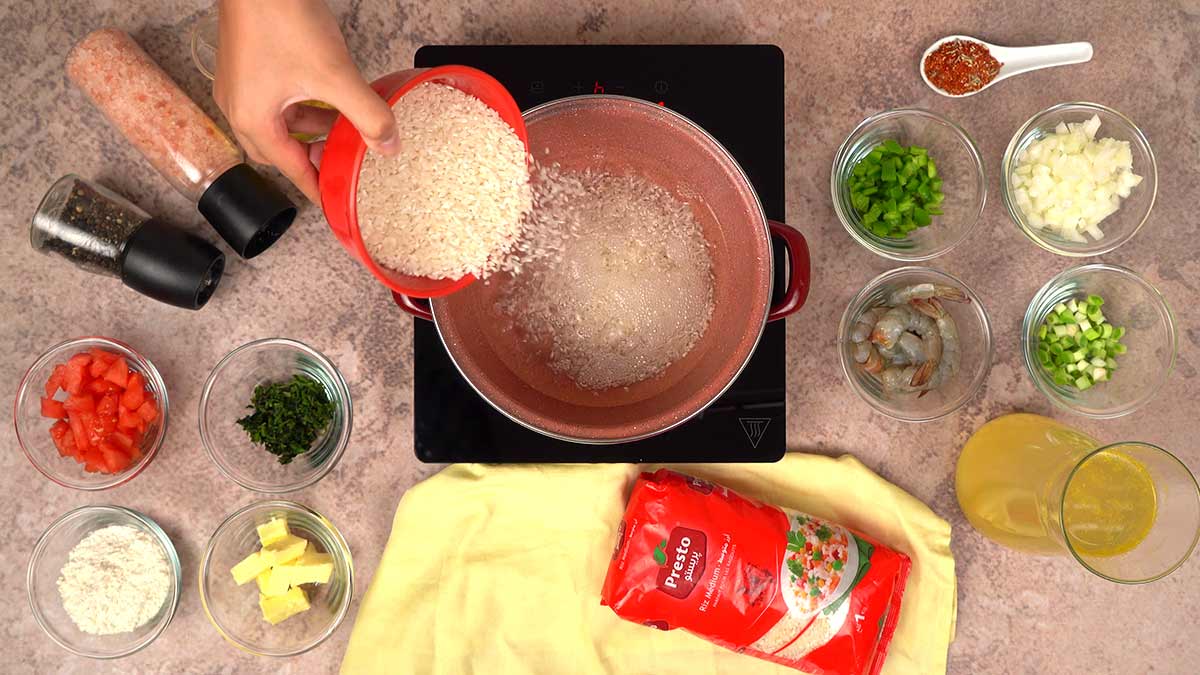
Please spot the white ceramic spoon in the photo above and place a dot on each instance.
(1016, 60)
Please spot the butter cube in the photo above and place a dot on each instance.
(271, 585)
(273, 531)
(285, 550)
(301, 572)
(281, 607)
(311, 557)
(248, 569)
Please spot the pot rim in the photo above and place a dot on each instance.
(766, 232)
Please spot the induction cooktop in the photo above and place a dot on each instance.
(733, 91)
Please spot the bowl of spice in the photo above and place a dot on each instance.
(275, 415)
(908, 184)
(91, 413)
(103, 581)
(1079, 179)
(449, 207)
(276, 578)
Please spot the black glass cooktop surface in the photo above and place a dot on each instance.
(736, 93)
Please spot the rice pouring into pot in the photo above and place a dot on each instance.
(617, 281)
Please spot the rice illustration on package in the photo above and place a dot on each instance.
(766, 581)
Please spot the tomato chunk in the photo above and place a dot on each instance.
(118, 372)
(102, 387)
(57, 377)
(114, 459)
(107, 407)
(135, 392)
(93, 461)
(80, 432)
(74, 380)
(147, 411)
(97, 368)
(53, 409)
(128, 419)
(80, 403)
(80, 360)
(60, 432)
(121, 440)
(99, 426)
(99, 354)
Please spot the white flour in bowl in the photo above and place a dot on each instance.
(615, 274)
(451, 202)
(115, 580)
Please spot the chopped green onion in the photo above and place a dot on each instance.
(1076, 345)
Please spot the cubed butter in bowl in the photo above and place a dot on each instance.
(302, 578)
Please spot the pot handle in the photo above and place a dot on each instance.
(418, 307)
(799, 271)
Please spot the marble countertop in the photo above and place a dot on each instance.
(1016, 614)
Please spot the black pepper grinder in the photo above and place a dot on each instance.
(101, 232)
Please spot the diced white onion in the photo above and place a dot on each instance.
(1068, 182)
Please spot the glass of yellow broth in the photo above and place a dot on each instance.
(1129, 511)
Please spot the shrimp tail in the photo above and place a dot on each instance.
(880, 338)
(930, 308)
(951, 293)
(922, 375)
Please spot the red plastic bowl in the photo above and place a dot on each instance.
(343, 158)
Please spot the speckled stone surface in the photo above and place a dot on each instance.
(1016, 614)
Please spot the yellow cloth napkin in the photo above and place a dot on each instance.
(497, 569)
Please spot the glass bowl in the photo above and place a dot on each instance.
(33, 433)
(975, 348)
(50, 554)
(226, 397)
(959, 166)
(234, 611)
(1119, 227)
(1130, 302)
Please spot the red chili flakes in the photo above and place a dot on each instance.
(961, 67)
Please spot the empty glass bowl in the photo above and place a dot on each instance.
(974, 348)
(33, 430)
(958, 165)
(234, 611)
(1119, 227)
(50, 554)
(1130, 302)
(226, 399)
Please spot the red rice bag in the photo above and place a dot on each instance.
(758, 579)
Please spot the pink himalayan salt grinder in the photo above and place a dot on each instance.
(179, 140)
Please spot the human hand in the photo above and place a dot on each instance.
(272, 56)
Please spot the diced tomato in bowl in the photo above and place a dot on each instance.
(91, 413)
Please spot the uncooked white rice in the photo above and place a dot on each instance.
(615, 272)
(452, 201)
